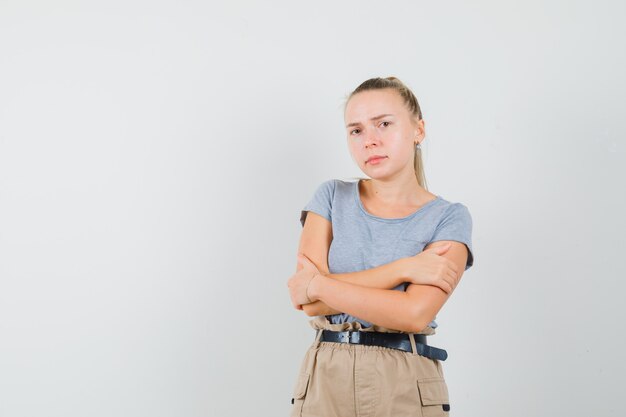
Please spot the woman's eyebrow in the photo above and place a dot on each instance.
(373, 118)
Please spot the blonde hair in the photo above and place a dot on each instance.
(413, 106)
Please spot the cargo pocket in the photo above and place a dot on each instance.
(434, 397)
(299, 393)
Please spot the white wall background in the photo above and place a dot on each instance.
(155, 155)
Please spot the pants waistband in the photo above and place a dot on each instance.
(407, 342)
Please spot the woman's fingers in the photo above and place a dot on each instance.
(439, 249)
(453, 275)
(452, 266)
(445, 285)
(435, 270)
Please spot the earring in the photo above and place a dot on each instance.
(418, 146)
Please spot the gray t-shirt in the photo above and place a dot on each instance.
(364, 241)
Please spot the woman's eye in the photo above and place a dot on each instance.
(386, 123)
(355, 130)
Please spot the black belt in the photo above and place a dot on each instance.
(398, 341)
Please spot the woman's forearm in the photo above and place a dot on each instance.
(386, 276)
(318, 308)
(384, 307)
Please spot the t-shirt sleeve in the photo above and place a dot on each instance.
(456, 224)
(321, 202)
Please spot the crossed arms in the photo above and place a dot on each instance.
(368, 294)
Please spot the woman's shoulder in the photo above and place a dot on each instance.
(334, 184)
(452, 210)
(450, 204)
(346, 181)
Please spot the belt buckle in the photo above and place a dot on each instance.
(350, 340)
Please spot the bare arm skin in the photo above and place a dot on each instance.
(429, 299)
(315, 239)
(315, 242)
(368, 294)
(385, 276)
(409, 311)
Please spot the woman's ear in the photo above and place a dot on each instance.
(419, 127)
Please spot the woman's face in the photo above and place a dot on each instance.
(379, 123)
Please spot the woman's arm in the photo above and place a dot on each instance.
(385, 276)
(385, 307)
(409, 311)
(315, 242)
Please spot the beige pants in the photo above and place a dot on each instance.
(350, 380)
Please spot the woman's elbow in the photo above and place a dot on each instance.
(412, 326)
(418, 320)
(311, 309)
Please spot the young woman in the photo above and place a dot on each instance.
(378, 258)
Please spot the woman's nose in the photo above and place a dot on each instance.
(371, 138)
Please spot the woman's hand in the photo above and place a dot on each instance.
(428, 267)
(299, 282)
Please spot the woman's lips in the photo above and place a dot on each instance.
(376, 161)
